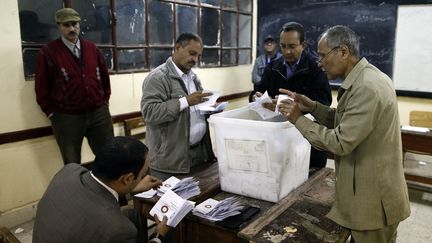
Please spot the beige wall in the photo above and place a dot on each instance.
(26, 167)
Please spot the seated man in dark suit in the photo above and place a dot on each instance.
(82, 206)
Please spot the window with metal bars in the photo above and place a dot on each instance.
(139, 35)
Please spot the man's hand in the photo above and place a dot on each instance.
(161, 226)
(197, 97)
(304, 103)
(271, 106)
(146, 184)
(293, 109)
(256, 95)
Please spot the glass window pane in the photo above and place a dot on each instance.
(159, 56)
(229, 57)
(37, 23)
(161, 22)
(130, 22)
(29, 58)
(230, 4)
(188, 1)
(210, 26)
(210, 57)
(95, 20)
(211, 2)
(245, 30)
(245, 5)
(229, 29)
(244, 57)
(132, 59)
(108, 56)
(186, 19)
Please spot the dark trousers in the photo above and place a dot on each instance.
(70, 130)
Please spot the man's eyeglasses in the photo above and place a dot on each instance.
(327, 54)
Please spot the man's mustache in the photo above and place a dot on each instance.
(72, 33)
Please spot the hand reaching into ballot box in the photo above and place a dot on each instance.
(293, 109)
(270, 106)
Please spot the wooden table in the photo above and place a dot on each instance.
(417, 142)
(302, 211)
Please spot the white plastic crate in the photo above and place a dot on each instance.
(260, 159)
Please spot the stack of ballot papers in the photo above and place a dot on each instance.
(173, 207)
(214, 210)
(185, 188)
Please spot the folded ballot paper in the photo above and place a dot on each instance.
(173, 207)
(214, 210)
(185, 188)
(210, 105)
(257, 106)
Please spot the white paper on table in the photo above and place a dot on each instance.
(168, 184)
(214, 210)
(147, 194)
(415, 129)
(257, 106)
(206, 206)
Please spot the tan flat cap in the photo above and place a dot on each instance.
(67, 15)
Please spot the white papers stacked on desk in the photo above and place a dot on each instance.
(214, 210)
(185, 188)
(173, 207)
(415, 129)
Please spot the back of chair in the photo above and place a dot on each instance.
(420, 119)
(135, 127)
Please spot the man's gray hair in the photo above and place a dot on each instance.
(342, 35)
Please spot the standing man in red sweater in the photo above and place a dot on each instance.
(73, 88)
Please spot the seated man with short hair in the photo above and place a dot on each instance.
(82, 206)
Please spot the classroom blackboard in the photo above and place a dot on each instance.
(374, 21)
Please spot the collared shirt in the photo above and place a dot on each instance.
(71, 45)
(113, 192)
(197, 121)
(290, 69)
(271, 58)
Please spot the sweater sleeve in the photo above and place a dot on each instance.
(43, 81)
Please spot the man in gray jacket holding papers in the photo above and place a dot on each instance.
(177, 134)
